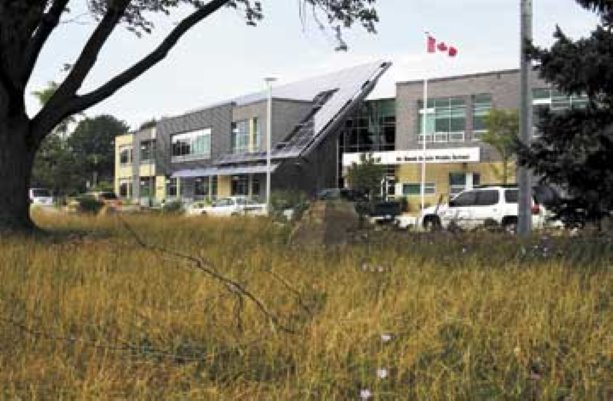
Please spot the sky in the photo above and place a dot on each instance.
(222, 57)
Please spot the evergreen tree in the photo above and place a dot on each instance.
(575, 147)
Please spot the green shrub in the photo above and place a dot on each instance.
(283, 200)
(89, 204)
(173, 207)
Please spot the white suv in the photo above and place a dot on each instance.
(491, 204)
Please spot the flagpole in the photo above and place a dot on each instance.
(423, 132)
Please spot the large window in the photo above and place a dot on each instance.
(147, 150)
(125, 155)
(413, 189)
(191, 145)
(147, 187)
(445, 120)
(201, 187)
(171, 187)
(482, 104)
(371, 129)
(240, 136)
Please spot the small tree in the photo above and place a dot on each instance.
(366, 176)
(502, 133)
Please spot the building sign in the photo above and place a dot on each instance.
(398, 157)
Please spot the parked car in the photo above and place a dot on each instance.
(230, 206)
(107, 197)
(349, 195)
(496, 205)
(383, 212)
(40, 197)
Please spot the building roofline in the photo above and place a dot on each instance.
(462, 76)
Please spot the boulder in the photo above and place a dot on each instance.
(326, 223)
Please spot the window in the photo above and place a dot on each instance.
(464, 199)
(125, 188)
(171, 187)
(482, 104)
(415, 189)
(511, 195)
(240, 185)
(457, 183)
(125, 155)
(257, 135)
(214, 186)
(191, 145)
(372, 128)
(147, 150)
(240, 137)
(487, 198)
(256, 186)
(445, 120)
(554, 100)
(201, 187)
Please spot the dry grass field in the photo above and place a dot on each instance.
(89, 313)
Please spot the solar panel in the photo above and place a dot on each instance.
(334, 97)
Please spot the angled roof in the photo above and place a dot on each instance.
(334, 96)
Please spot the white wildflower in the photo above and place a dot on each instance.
(365, 394)
(382, 373)
(386, 337)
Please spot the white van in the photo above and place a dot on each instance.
(40, 197)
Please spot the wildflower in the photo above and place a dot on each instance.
(365, 394)
(386, 337)
(517, 351)
(365, 267)
(382, 373)
(380, 269)
(464, 250)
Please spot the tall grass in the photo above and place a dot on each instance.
(87, 313)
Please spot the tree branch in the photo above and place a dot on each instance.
(65, 102)
(48, 23)
(157, 55)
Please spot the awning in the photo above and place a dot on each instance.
(224, 170)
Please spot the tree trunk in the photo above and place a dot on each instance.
(16, 158)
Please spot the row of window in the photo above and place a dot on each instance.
(445, 118)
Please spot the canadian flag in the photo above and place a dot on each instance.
(434, 46)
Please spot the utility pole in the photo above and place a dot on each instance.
(269, 81)
(524, 204)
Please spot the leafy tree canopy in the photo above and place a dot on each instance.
(502, 133)
(575, 146)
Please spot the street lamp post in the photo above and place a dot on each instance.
(524, 204)
(269, 81)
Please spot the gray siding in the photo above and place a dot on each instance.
(219, 119)
(502, 85)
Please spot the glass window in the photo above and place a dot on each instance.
(554, 100)
(171, 187)
(201, 187)
(372, 128)
(191, 145)
(487, 198)
(415, 189)
(214, 186)
(240, 137)
(511, 195)
(457, 183)
(125, 155)
(257, 135)
(445, 119)
(125, 189)
(482, 104)
(147, 150)
(240, 185)
(468, 198)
